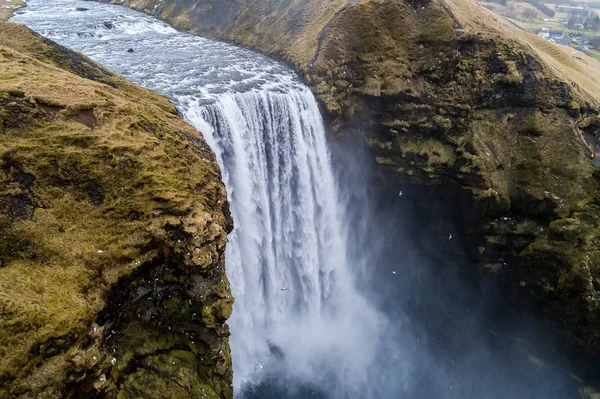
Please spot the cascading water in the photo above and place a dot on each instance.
(298, 320)
(297, 313)
(287, 256)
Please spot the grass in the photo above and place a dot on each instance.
(593, 53)
(534, 26)
(8, 7)
(100, 178)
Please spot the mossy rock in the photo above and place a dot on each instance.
(113, 225)
(462, 100)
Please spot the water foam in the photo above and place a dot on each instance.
(297, 311)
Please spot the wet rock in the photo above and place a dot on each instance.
(474, 109)
(130, 50)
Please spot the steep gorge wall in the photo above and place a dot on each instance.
(445, 96)
(113, 226)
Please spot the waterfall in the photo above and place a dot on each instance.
(297, 314)
(293, 259)
(296, 306)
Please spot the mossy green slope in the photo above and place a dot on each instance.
(113, 226)
(443, 94)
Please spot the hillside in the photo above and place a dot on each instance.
(445, 95)
(106, 193)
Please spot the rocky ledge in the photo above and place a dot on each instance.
(113, 226)
(459, 106)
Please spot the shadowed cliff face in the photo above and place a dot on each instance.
(446, 97)
(113, 225)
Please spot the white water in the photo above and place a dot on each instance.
(297, 313)
(287, 256)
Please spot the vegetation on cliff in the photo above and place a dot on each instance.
(113, 225)
(443, 93)
(8, 7)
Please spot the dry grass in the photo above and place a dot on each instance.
(8, 7)
(515, 10)
(96, 180)
(567, 63)
(295, 29)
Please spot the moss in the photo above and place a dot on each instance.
(593, 120)
(508, 133)
(442, 123)
(103, 186)
(531, 126)
(434, 152)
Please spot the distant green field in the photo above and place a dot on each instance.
(593, 53)
(534, 26)
(537, 25)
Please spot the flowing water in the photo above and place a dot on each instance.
(300, 327)
(297, 314)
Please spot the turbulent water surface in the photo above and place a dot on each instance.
(297, 314)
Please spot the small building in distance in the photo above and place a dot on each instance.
(555, 36)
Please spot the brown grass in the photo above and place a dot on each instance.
(566, 63)
(96, 181)
(8, 7)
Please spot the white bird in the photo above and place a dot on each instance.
(394, 272)
(400, 194)
(450, 237)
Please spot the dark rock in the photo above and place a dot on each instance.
(108, 25)
(17, 207)
(25, 179)
(130, 50)
(82, 9)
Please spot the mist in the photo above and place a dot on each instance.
(451, 332)
(408, 315)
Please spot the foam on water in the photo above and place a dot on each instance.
(297, 313)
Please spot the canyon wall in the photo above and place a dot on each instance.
(451, 102)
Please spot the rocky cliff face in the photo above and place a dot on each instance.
(448, 98)
(113, 225)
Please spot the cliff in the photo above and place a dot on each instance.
(497, 122)
(113, 226)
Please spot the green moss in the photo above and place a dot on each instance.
(173, 375)
(105, 194)
(531, 126)
(442, 123)
(593, 120)
(434, 152)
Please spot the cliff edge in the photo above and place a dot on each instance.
(113, 226)
(446, 97)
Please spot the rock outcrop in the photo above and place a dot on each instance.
(446, 96)
(113, 226)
